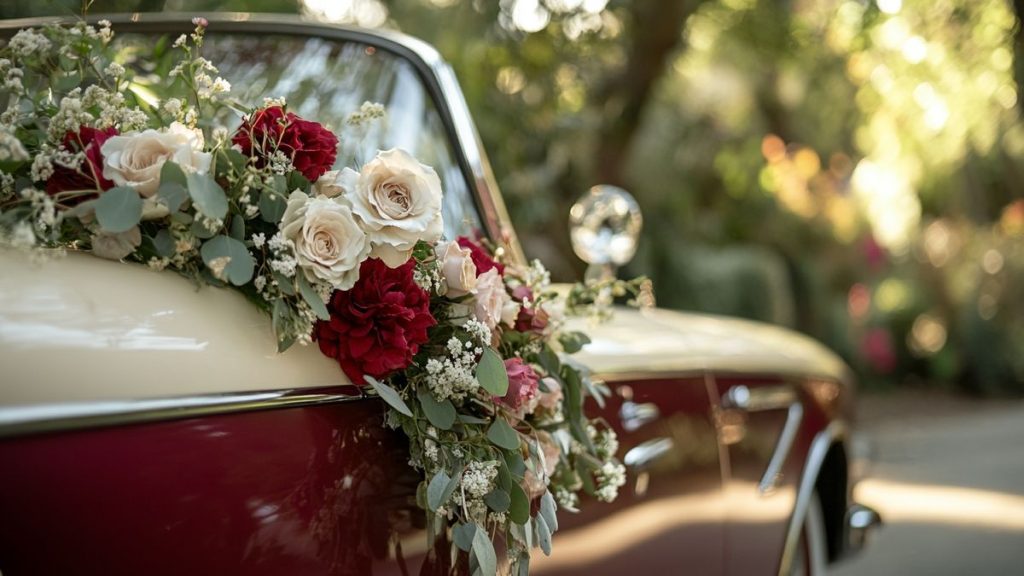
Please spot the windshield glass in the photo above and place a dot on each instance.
(328, 81)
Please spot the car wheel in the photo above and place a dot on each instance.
(812, 550)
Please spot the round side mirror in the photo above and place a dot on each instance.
(604, 226)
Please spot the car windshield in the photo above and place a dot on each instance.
(328, 81)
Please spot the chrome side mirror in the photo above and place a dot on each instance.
(604, 226)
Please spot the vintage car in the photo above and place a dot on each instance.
(147, 427)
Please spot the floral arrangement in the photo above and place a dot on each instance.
(466, 350)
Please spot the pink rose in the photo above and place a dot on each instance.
(523, 386)
(491, 298)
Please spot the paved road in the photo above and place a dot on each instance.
(948, 477)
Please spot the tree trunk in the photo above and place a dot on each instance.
(657, 29)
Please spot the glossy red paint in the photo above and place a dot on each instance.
(289, 491)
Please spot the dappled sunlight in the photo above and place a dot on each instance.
(900, 502)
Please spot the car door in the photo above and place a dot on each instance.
(759, 420)
(669, 515)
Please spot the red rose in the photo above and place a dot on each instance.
(376, 327)
(523, 384)
(86, 176)
(481, 258)
(531, 318)
(311, 147)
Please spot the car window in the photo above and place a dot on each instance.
(327, 81)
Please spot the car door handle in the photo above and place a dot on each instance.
(633, 415)
(759, 398)
(641, 456)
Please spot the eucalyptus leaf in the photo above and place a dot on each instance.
(436, 489)
(502, 435)
(237, 228)
(498, 500)
(207, 195)
(463, 534)
(297, 181)
(549, 510)
(491, 373)
(549, 360)
(440, 414)
(240, 264)
(272, 206)
(515, 464)
(543, 535)
(164, 243)
(172, 194)
(467, 419)
(524, 565)
(312, 298)
(519, 505)
(119, 209)
(285, 284)
(573, 342)
(200, 231)
(483, 550)
(389, 395)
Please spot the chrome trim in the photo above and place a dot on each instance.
(634, 416)
(42, 418)
(437, 75)
(759, 398)
(641, 456)
(773, 473)
(836, 431)
(861, 521)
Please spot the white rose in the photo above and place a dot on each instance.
(398, 201)
(491, 297)
(329, 245)
(510, 312)
(135, 159)
(457, 267)
(336, 182)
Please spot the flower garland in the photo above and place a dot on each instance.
(464, 348)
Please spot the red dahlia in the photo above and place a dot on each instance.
(376, 327)
(89, 174)
(311, 147)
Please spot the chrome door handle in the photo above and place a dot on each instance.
(633, 415)
(758, 399)
(641, 456)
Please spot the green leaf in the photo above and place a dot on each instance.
(202, 232)
(237, 228)
(549, 360)
(389, 395)
(119, 209)
(237, 160)
(515, 464)
(436, 490)
(519, 505)
(503, 435)
(207, 195)
(296, 180)
(272, 206)
(440, 414)
(311, 297)
(549, 511)
(466, 419)
(285, 284)
(483, 550)
(498, 500)
(573, 342)
(463, 534)
(173, 186)
(491, 373)
(544, 535)
(163, 243)
(241, 265)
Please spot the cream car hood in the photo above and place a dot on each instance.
(79, 328)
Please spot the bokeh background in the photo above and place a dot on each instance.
(848, 168)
